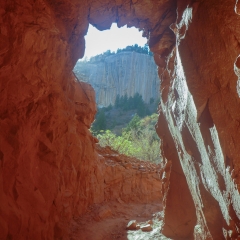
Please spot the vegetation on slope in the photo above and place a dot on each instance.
(128, 126)
(137, 136)
(138, 139)
(134, 48)
(113, 117)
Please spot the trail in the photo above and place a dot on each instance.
(108, 222)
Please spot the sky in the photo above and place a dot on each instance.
(98, 42)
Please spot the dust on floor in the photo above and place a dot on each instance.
(108, 221)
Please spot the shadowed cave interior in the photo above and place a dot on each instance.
(51, 170)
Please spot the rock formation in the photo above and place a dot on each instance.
(48, 157)
(121, 73)
(126, 178)
(199, 98)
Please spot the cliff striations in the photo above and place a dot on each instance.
(121, 73)
(49, 164)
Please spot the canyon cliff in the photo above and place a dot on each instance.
(49, 163)
(120, 74)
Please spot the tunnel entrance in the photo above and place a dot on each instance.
(124, 75)
(50, 171)
(125, 78)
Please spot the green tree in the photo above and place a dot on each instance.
(100, 121)
(151, 101)
(133, 124)
(140, 140)
(122, 144)
(117, 101)
(125, 102)
(109, 107)
(148, 146)
(121, 102)
(141, 108)
(130, 103)
(145, 49)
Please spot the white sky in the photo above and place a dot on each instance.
(98, 42)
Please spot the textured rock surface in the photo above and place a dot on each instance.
(122, 73)
(200, 96)
(127, 179)
(48, 159)
(132, 225)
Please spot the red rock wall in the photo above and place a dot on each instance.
(200, 102)
(46, 149)
(47, 155)
(126, 179)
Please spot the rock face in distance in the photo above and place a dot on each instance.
(121, 73)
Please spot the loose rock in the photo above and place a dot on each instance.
(132, 225)
(146, 228)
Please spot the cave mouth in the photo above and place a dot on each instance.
(136, 112)
(119, 69)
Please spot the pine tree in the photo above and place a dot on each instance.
(125, 102)
(117, 101)
(100, 121)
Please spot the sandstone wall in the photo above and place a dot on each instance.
(46, 149)
(126, 179)
(122, 73)
(199, 106)
(47, 154)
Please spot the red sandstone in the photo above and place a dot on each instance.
(50, 170)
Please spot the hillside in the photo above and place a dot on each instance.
(138, 139)
(129, 128)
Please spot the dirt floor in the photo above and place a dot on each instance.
(108, 222)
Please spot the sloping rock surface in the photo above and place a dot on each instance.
(128, 179)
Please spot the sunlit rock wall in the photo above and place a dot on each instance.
(199, 111)
(121, 73)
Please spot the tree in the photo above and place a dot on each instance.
(121, 101)
(100, 121)
(117, 101)
(133, 124)
(145, 49)
(140, 141)
(141, 108)
(130, 103)
(151, 100)
(109, 107)
(122, 144)
(125, 102)
(148, 145)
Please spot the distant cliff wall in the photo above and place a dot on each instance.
(122, 73)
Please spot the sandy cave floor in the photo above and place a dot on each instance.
(108, 222)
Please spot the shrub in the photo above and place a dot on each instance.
(138, 139)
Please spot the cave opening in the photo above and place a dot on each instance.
(126, 82)
(50, 171)
(120, 67)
